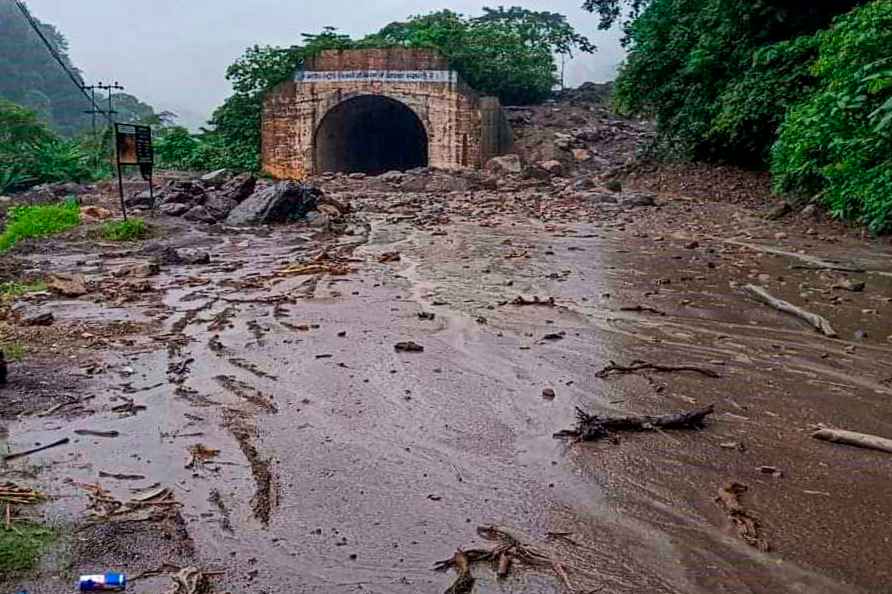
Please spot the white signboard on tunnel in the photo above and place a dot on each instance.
(421, 76)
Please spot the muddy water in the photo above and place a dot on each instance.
(346, 466)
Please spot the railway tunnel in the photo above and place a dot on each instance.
(378, 110)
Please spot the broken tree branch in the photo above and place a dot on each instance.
(594, 427)
(852, 438)
(17, 455)
(638, 365)
(818, 322)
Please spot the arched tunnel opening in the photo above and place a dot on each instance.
(370, 134)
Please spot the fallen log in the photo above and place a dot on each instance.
(639, 365)
(818, 322)
(852, 438)
(595, 427)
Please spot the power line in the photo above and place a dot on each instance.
(79, 83)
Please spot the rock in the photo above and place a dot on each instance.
(779, 211)
(3, 370)
(91, 214)
(505, 165)
(600, 198)
(317, 219)
(582, 155)
(175, 209)
(356, 176)
(329, 210)
(279, 203)
(548, 394)
(392, 177)
(780, 235)
(200, 214)
(415, 183)
(408, 347)
(239, 187)
(810, 211)
(67, 285)
(847, 284)
(552, 167)
(39, 319)
(150, 267)
(218, 207)
(614, 185)
(692, 245)
(140, 201)
(340, 205)
(583, 183)
(192, 256)
(216, 178)
(633, 200)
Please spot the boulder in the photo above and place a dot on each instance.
(200, 214)
(601, 198)
(67, 285)
(636, 200)
(239, 187)
(505, 165)
(279, 203)
(218, 206)
(175, 209)
(150, 267)
(392, 177)
(141, 201)
(552, 167)
(192, 256)
(217, 178)
(45, 318)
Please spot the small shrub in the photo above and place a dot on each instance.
(129, 230)
(14, 351)
(38, 221)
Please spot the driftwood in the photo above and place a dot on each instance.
(818, 322)
(507, 550)
(17, 455)
(852, 438)
(746, 525)
(638, 365)
(594, 427)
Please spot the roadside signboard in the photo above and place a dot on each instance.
(133, 147)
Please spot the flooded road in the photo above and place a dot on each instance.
(346, 465)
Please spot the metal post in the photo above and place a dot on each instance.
(121, 191)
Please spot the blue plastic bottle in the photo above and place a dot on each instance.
(108, 581)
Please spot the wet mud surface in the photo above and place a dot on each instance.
(305, 453)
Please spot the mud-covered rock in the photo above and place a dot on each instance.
(505, 165)
(175, 209)
(279, 203)
(200, 214)
(140, 201)
(218, 206)
(67, 285)
(238, 188)
(637, 200)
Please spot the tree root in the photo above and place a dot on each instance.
(594, 427)
(746, 525)
(639, 365)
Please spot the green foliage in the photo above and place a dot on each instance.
(838, 141)
(176, 148)
(718, 75)
(23, 222)
(15, 352)
(505, 52)
(16, 289)
(129, 230)
(22, 546)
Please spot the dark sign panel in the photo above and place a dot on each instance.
(134, 144)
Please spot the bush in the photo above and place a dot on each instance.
(838, 142)
(22, 545)
(23, 222)
(129, 230)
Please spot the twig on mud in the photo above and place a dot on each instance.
(642, 309)
(746, 525)
(12, 493)
(818, 322)
(508, 550)
(638, 365)
(521, 300)
(594, 427)
(17, 455)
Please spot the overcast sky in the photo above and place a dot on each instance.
(174, 53)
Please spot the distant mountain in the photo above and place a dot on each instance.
(31, 77)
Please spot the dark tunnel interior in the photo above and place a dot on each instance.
(370, 134)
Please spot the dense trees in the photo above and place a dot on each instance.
(722, 78)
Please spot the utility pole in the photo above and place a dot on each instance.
(94, 111)
(110, 88)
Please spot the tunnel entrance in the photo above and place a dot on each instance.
(370, 134)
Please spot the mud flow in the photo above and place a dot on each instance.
(253, 418)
